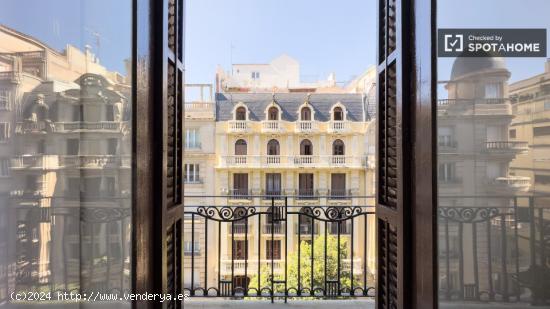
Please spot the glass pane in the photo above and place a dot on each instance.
(493, 161)
(65, 123)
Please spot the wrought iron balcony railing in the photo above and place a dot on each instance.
(305, 229)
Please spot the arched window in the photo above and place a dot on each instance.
(306, 148)
(240, 113)
(305, 113)
(273, 148)
(273, 113)
(337, 114)
(338, 148)
(240, 147)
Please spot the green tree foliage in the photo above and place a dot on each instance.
(318, 261)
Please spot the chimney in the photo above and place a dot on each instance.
(547, 66)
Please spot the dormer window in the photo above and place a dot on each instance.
(273, 113)
(338, 114)
(240, 113)
(305, 114)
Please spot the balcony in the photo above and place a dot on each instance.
(342, 194)
(305, 229)
(30, 127)
(278, 228)
(270, 194)
(238, 266)
(237, 161)
(35, 162)
(266, 161)
(512, 183)
(506, 146)
(307, 194)
(339, 127)
(272, 126)
(239, 194)
(239, 126)
(239, 228)
(306, 127)
(27, 193)
(101, 126)
(10, 76)
(337, 160)
(446, 102)
(273, 160)
(92, 161)
(345, 228)
(301, 161)
(199, 110)
(193, 146)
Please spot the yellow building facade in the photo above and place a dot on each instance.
(295, 149)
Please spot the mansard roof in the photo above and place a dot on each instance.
(322, 104)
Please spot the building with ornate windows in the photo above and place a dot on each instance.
(475, 180)
(312, 148)
(66, 167)
(531, 108)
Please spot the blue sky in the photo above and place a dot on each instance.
(495, 14)
(58, 22)
(324, 35)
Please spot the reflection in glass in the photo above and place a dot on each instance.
(65, 148)
(494, 207)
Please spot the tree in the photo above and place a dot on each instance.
(305, 259)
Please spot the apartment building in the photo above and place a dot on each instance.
(66, 160)
(282, 74)
(312, 148)
(531, 108)
(475, 174)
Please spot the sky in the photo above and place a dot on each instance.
(323, 35)
(495, 14)
(61, 22)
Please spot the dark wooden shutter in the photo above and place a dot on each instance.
(157, 133)
(173, 147)
(406, 170)
(391, 205)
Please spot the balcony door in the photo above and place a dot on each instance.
(305, 184)
(240, 184)
(338, 184)
(273, 183)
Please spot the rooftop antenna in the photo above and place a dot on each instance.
(98, 37)
(231, 47)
